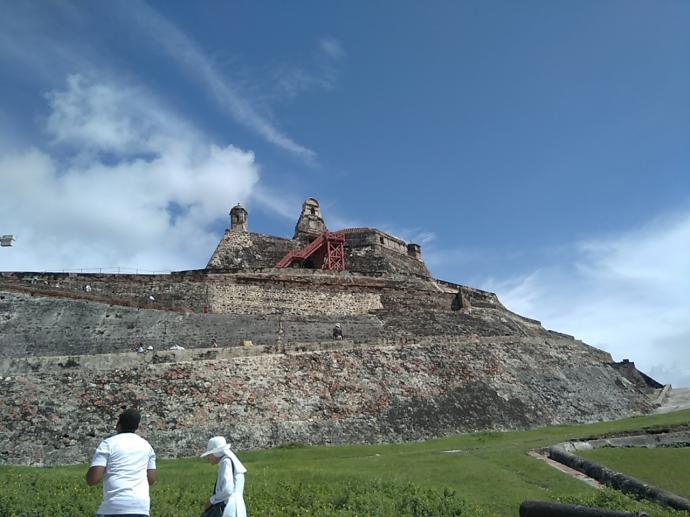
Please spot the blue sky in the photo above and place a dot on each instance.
(537, 149)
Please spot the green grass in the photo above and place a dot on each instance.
(667, 468)
(490, 475)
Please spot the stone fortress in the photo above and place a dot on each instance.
(420, 357)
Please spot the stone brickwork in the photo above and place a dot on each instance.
(182, 291)
(365, 237)
(39, 326)
(266, 308)
(256, 299)
(379, 260)
(241, 251)
(364, 394)
(310, 223)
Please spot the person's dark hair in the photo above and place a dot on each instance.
(129, 420)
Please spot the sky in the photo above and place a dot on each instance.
(536, 149)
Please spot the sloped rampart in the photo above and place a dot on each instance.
(359, 393)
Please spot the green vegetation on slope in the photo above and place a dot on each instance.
(472, 474)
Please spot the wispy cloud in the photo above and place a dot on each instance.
(439, 258)
(284, 204)
(332, 48)
(292, 80)
(414, 234)
(194, 61)
(44, 39)
(126, 182)
(627, 294)
(30, 41)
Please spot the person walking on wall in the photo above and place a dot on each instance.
(126, 464)
(227, 499)
(337, 331)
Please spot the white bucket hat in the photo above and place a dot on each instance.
(215, 445)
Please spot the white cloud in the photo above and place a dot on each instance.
(90, 116)
(126, 183)
(627, 294)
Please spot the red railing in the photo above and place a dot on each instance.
(328, 249)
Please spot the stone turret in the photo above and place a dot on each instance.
(238, 218)
(310, 224)
(414, 251)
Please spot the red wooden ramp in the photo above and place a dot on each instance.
(327, 251)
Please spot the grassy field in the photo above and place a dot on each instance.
(667, 468)
(486, 474)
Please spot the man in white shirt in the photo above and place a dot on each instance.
(126, 464)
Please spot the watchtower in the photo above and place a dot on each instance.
(414, 251)
(238, 218)
(310, 224)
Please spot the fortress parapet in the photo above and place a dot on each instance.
(368, 251)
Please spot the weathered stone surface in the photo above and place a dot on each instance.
(252, 299)
(310, 223)
(363, 394)
(421, 357)
(55, 316)
(373, 258)
(240, 251)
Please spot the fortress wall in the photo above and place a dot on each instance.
(378, 260)
(40, 325)
(185, 291)
(305, 301)
(357, 238)
(14, 366)
(356, 394)
(238, 251)
(265, 308)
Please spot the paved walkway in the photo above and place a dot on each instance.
(675, 400)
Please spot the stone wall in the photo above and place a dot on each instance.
(239, 251)
(185, 291)
(37, 326)
(413, 365)
(362, 394)
(267, 308)
(378, 260)
(306, 301)
(363, 237)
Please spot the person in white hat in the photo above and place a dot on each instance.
(229, 490)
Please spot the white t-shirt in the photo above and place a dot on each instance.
(126, 458)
